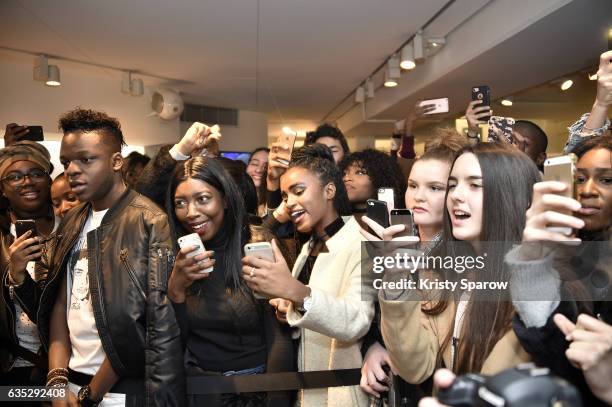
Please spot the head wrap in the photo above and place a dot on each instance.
(24, 151)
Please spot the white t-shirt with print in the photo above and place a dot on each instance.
(87, 351)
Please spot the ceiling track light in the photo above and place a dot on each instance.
(54, 76)
(360, 95)
(407, 58)
(417, 44)
(369, 88)
(129, 86)
(43, 72)
(507, 101)
(392, 73)
(436, 42)
(566, 84)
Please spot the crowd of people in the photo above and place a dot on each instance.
(100, 297)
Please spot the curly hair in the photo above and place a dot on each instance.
(87, 120)
(319, 160)
(382, 170)
(327, 130)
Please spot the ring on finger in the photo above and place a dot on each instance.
(252, 273)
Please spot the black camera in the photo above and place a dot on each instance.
(525, 385)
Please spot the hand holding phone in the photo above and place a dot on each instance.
(434, 106)
(263, 251)
(562, 169)
(24, 249)
(403, 217)
(481, 98)
(190, 241)
(283, 148)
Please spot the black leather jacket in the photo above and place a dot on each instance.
(128, 275)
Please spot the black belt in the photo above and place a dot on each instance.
(125, 385)
(272, 381)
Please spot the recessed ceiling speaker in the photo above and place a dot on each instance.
(167, 104)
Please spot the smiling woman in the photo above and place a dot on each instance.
(226, 330)
(25, 183)
(325, 295)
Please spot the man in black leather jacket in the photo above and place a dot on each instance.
(110, 278)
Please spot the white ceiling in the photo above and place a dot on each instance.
(311, 53)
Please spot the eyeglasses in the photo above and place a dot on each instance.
(17, 178)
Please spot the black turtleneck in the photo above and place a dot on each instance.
(222, 330)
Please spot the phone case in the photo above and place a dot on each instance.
(387, 195)
(284, 148)
(377, 211)
(190, 241)
(500, 129)
(23, 225)
(403, 217)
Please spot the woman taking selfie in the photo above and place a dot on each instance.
(324, 296)
(221, 321)
(484, 205)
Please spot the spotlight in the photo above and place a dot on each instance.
(567, 84)
(129, 86)
(137, 87)
(417, 44)
(407, 60)
(507, 101)
(369, 88)
(41, 68)
(54, 76)
(436, 42)
(392, 73)
(288, 131)
(360, 95)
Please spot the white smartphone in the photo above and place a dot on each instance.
(441, 105)
(194, 240)
(261, 250)
(387, 195)
(562, 169)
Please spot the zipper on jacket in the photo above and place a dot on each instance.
(131, 272)
(48, 282)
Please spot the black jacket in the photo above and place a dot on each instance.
(128, 276)
(27, 294)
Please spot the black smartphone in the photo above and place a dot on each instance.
(378, 212)
(23, 225)
(403, 217)
(483, 93)
(35, 133)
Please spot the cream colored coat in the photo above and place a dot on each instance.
(340, 315)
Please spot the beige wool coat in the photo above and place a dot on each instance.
(342, 310)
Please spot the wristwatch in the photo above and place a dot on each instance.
(84, 397)
(306, 304)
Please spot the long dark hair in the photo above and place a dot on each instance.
(318, 159)
(234, 217)
(508, 176)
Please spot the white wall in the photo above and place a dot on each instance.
(26, 101)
